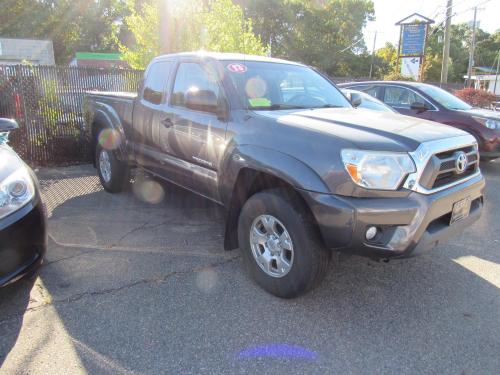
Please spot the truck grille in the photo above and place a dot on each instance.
(441, 170)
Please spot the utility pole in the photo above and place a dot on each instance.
(496, 77)
(446, 47)
(373, 53)
(472, 48)
(165, 28)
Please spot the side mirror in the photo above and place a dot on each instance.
(355, 99)
(7, 125)
(202, 100)
(419, 107)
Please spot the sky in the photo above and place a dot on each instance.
(388, 12)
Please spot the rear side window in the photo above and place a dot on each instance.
(401, 97)
(193, 77)
(373, 91)
(156, 81)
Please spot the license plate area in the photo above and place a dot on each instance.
(460, 210)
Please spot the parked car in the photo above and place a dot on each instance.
(300, 174)
(433, 103)
(363, 100)
(23, 237)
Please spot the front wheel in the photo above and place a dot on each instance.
(281, 245)
(113, 173)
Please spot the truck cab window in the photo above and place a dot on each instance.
(192, 77)
(156, 81)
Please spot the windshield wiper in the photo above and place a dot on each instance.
(276, 107)
(329, 106)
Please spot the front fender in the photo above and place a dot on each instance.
(276, 163)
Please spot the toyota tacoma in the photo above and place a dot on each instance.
(300, 170)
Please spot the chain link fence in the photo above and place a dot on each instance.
(47, 102)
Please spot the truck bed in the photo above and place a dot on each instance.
(122, 104)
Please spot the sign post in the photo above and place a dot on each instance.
(411, 47)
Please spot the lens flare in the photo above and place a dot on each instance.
(206, 280)
(149, 191)
(109, 139)
(256, 87)
(277, 351)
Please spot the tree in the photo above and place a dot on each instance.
(326, 34)
(217, 25)
(386, 60)
(72, 25)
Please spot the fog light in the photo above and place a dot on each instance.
(371, 233)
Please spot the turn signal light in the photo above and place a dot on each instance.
(353, 172)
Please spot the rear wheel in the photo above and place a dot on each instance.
(113, 173)
(281, 245)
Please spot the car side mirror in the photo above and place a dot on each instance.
(202, 100)
(355, 99)
(419, 107)
(7, 125)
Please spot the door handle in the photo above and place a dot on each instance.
(167, 122)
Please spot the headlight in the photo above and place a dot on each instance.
(488, 122)
(377, 170)
(15, 191)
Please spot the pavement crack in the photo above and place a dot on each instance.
(96, 293)
(133, 230)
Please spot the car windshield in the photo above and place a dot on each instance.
(444, 98)
(275, 86)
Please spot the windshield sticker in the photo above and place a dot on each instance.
(259, 102)
(237, 68)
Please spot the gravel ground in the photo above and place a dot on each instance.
(140, 283)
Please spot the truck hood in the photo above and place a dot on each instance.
(365, 128)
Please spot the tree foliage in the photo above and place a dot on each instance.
(72, 25)
(327, 34)
(217, 25)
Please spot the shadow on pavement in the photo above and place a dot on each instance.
(14, 300)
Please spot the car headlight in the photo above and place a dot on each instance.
(377, 170)
(16, 190)
(488, 122)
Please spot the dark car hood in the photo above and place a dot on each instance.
(367, 129)
(486, 113)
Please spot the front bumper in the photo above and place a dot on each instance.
(409, 225)
(23, 242)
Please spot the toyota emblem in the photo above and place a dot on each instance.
(461, 162)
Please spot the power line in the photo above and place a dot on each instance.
(352, 45)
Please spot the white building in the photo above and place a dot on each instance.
(486, 82)
(16, 51)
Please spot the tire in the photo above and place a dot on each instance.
(308, 260)
(119, 174)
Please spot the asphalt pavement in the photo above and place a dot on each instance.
(139, 283)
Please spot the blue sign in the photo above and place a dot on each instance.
(413, 39)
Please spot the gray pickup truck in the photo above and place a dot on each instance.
(300, 170)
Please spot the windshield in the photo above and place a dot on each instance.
(274, 86)
(444, 98)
